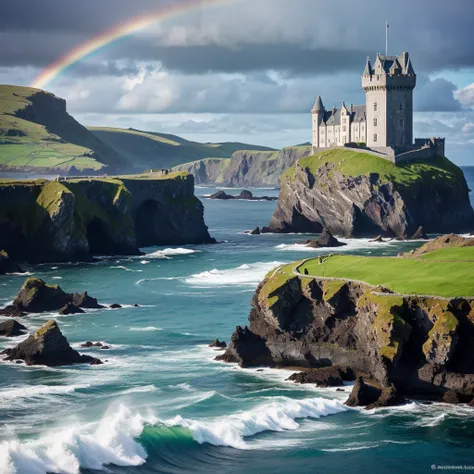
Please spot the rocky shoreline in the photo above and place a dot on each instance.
(394, 346)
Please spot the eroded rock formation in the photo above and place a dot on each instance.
(420, 345)
(74, 220)
(36, 296)
(48, 346)
(350, 199)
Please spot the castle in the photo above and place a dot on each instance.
(384, 125)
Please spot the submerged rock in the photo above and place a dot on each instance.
(221, 195)
(256, 231)
(47, 346)
(12, 328)
(7, 265)
(379, 238)
(36, 296)
(115, 306)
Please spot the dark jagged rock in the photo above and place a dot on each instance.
(412, 345)
(326, 239)
(363, 394)
(419, 234)
(221, 195)
(12, 312)
(115, 306)
(453, 396)
(319, 191)
(247, 349)
(105, 347)
(136, 305)
(7, 265)
(379, 238)
(218, 344)
(333, 376)
(47, 346)
(36, 297)
(11, 328)
(256, 231)
(244, 195)
(70, 308)
(92, 344)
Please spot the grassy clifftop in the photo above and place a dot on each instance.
(446, 272)
(37, 132)
(352, 164)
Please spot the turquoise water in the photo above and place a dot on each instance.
(161, 404)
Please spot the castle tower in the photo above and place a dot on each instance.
(318, 112)
(388, 89)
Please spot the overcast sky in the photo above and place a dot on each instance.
(247, 70)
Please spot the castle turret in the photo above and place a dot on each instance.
(389, 88)
(318, 112)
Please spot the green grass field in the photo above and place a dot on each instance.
(351, 163)
(451, 277)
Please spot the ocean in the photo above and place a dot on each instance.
(161, 404)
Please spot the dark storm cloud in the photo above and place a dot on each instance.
(302, 36)
(436, 96)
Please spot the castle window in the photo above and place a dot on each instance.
(375, 106)
(343, 128)
(375, 137)
(375, 121)
(401, 106)
(401, 122)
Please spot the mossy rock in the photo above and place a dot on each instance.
(442, 339)
(391, 330)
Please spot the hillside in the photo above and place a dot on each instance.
(150, 150)
(37, 133)
(357, 194)
(246, 168)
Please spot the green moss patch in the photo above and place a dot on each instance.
(274, 281)
(391, 329)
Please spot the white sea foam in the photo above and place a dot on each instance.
(141, 389)
(144, 262)
(57, 278)
(146, 329)
(276, 416)
(121, 267)
(111, 441)
(352, 244)
(38, 390)
(166, 253)
(248, 275)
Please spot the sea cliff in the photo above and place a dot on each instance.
(315, 314)
(246, 168)
(356, 194)
(76, 219)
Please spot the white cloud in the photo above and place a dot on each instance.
(468, 128)
(466, 96)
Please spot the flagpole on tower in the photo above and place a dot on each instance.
(386, 38)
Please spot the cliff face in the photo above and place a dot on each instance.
(76, 219)
(422, 345)
(246, 168)
(353, 194)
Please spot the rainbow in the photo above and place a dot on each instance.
(116, 32)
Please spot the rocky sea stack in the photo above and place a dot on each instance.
(355, 195)
(47, 346)
(36, 296)
(403, 344)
